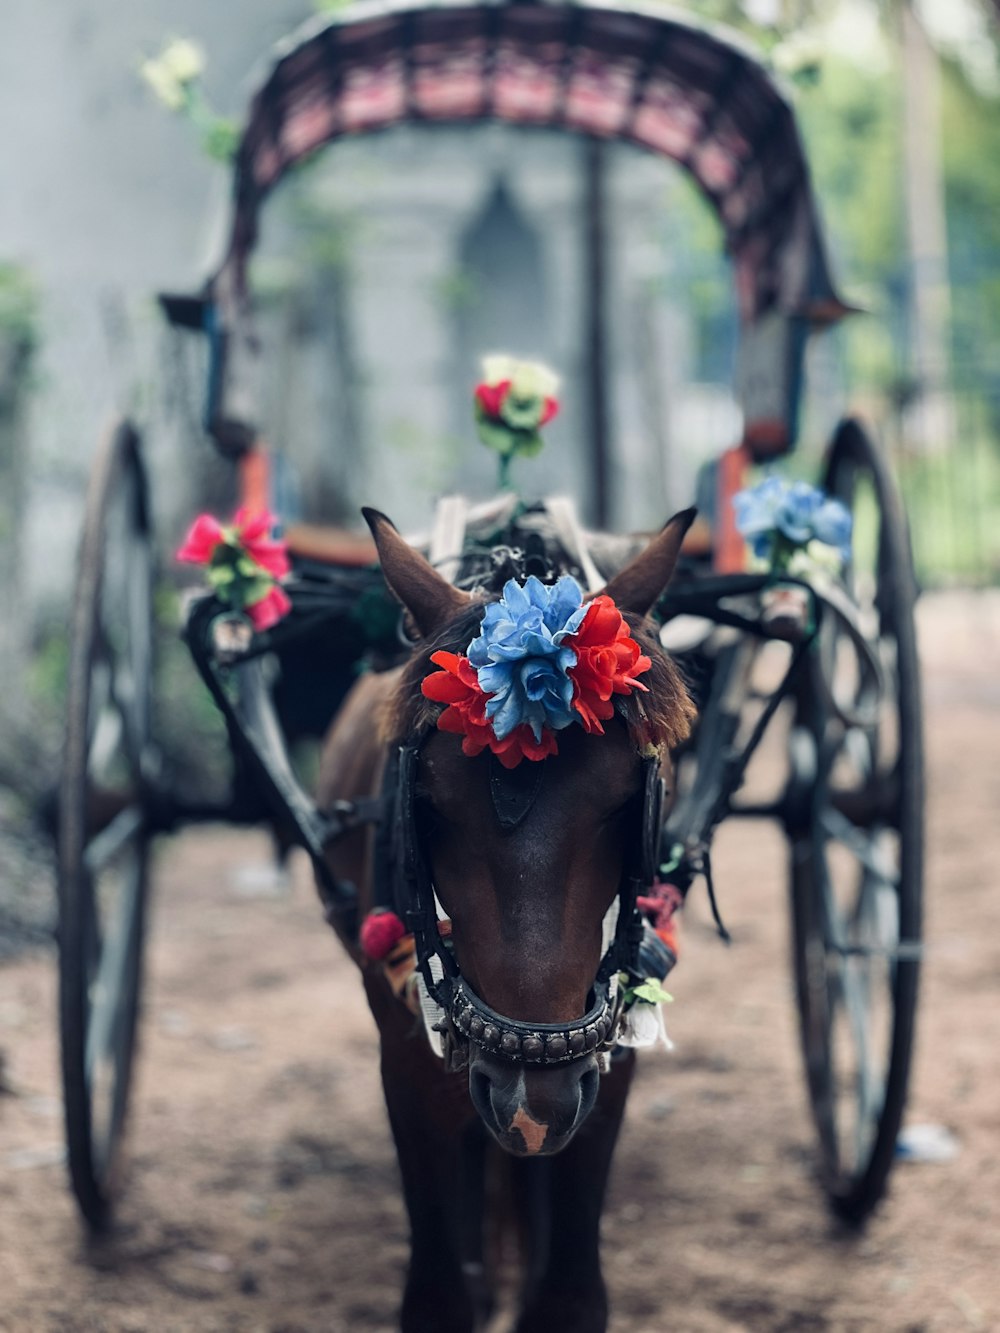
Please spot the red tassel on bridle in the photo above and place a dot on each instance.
(380, 932)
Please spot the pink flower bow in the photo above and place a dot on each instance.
(243, 563)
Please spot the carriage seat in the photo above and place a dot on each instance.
(330, 545)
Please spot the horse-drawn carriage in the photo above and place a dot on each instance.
(846, 689)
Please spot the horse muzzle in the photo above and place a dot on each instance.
(532, 1112)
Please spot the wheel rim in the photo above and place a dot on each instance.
(103, 834)
(856, 872)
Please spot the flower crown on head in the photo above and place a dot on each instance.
(543, 659)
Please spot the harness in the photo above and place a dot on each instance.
(404, 880)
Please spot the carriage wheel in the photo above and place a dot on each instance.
(857, 846)
(102, 831)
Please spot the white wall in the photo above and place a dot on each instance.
(105, 198)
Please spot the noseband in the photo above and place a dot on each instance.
(467, 1018)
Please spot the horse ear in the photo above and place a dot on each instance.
(638, 586)
(430, 599)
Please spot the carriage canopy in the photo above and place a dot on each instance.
(645, 77)
(649, 77)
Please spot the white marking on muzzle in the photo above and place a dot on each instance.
(534, 1132)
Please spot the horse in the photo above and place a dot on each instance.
(526, 861)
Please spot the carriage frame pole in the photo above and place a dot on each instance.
(596, 357)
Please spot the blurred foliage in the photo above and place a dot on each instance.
(19, 305)
(953, 499)
(697, 277)
(48, 670)
(971, 135)
(174, 77)
(850, 117)
(457, 290)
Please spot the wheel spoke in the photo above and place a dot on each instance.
(109, 985)
(861, 844)
(105, 846)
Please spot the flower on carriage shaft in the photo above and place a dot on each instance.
(543, 659)
(170, 75)
(269, 609)
(512, 402)
(778, 517)
(243, 564)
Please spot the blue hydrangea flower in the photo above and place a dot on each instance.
(796, 511)
(832, 524)
(519, 657)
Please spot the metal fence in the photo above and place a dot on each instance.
(952, 491)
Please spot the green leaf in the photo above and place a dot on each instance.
(247, 567)
(651, 992)
(249, 591)
(528, 443)
(220, 140)
(522, 413)
(496, 436)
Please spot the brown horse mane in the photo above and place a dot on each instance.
(661, 717)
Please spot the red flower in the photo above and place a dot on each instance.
(608, 660)
(269, 609)
(251, 532)
(550, 407)
(457, 685)
(241, 559)
(204, 535)
(254, 533)
(490, 397)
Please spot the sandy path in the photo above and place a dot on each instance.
(262, 1191)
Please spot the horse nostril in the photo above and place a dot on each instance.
(590, 1082)
(479, 1090)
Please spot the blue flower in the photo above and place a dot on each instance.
(519, 658)
(757, 513)
(795, 511)
(832, 524)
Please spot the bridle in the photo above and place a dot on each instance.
(467, 1017)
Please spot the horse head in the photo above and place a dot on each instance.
(529, 855)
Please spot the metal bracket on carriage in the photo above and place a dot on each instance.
(345, 816)
(232, 637)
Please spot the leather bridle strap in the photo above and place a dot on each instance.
(416, 905)
(535, 1043)
(470, 1017)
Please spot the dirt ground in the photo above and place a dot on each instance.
(262, 1192)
